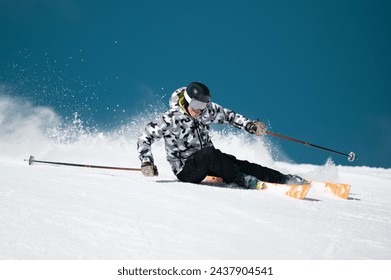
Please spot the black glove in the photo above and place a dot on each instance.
(258, 128)
(149, 169)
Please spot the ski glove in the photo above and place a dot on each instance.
(258, 128)
(149, 169)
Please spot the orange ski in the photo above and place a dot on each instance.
(213, 179)
(295, 191)
(340, 190)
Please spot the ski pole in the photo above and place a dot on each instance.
(31, 160)
(351, 156)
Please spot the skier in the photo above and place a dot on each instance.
(189, 149)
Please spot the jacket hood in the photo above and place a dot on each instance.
(177, 98)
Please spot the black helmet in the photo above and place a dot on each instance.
(198, 91)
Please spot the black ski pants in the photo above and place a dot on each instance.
(211, 161)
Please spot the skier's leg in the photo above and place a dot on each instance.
(262, 173)
(208, 161)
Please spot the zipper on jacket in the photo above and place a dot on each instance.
(198, 132)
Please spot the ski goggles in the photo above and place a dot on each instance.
(195, 104)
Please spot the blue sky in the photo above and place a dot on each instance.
(319, 71)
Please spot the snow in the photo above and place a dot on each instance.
(57, 212)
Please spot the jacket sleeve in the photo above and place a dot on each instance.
(153, 132)
(218, 114)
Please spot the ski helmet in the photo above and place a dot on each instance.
(197, 95)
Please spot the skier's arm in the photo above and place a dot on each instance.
(153, 132)
(218, 114)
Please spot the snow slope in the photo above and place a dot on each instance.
(53, 212)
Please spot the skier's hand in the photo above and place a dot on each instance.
(149, 169)
(258, 128)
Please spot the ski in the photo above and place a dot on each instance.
(337, 189)
(294, 191)
(298, 191)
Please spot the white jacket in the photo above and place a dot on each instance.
(184, 135)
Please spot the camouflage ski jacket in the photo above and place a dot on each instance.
(184, 135)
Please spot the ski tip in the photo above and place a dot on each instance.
(31, 160)
(340, 190)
